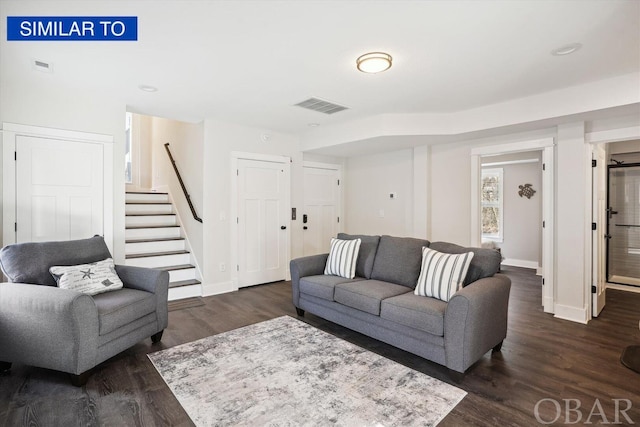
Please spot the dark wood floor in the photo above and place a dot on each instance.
(542, 358)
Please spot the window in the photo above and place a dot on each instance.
(128, 173)
(492, 204)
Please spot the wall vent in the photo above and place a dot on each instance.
(321, 106)
(45, 67)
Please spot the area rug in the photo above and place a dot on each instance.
(283, 372)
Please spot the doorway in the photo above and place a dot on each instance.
(623, 224)
(321, 210)
(546, 146)
(261, 205)
(57, 184)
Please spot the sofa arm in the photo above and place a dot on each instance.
(475, 321)
(150, 280)
(48, 327)
(303, 267)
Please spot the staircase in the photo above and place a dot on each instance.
(154, 239)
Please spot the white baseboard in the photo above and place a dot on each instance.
(520, 263)
(625, 288)
(210, 289)
(539, 271)
(574, 314)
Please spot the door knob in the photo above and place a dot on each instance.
(305, 227)
(283, 227)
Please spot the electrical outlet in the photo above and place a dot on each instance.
(223, 266)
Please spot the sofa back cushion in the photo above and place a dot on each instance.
(368, 249)
(398, 260)
(485, 262)
(30, 262)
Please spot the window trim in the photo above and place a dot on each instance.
(499, 204)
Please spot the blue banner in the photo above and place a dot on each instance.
(72, 28)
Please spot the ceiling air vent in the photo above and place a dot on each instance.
(321, 106)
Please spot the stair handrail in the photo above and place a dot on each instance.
(184, 189)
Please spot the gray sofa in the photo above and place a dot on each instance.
(380, 302)
(49, 327)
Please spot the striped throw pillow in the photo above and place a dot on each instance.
(342, 258)
(442, 274)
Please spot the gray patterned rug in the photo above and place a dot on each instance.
(283, 372)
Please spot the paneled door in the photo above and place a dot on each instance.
(321, 207)
(59, 189)
(263, 192)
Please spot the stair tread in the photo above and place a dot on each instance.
(137, 227)
(175, 267)
(151, 254)
(159, 239)
(146, 202)
(180, 283)
(143, 192)
(150, 214)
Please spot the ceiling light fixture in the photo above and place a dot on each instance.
(313, 125)
(148, 88)
(374, 62)
(566, 50)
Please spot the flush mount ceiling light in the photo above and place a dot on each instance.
(566, 50)
(374, 62)
(148, 88)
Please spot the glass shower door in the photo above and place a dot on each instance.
(623, 249)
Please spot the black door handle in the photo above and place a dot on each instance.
(283, 227)
(305, 227)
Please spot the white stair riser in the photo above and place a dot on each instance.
(184, 274)
(152, 233)
(150, 220)
(149, 247)
(134, 197)
(159, 261)
(148, 209)
(185, 292)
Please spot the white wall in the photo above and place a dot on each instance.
(368, 182)
(186, 142)
(220, 139)
(522, 232)
(141, 147)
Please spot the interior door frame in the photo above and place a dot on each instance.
(286, 164)
(328, 166)
(547, 146)
(10, 134)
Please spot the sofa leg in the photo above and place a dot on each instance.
(81, 379)
(300, 312)
(498, 346)
(456, 376)
(4, 366)
(155, 338)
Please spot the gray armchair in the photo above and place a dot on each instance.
(49, 327)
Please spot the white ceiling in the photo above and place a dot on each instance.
(249, 61)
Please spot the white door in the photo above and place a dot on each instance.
(263, 220)
(59, 189)
(321, 209)
(599, 186)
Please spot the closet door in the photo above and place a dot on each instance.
(59, 189)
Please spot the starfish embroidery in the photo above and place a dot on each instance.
(86, 274)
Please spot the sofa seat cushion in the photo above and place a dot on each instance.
(423, 313)
(366, 295)
(322, 286)
(121, 307)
